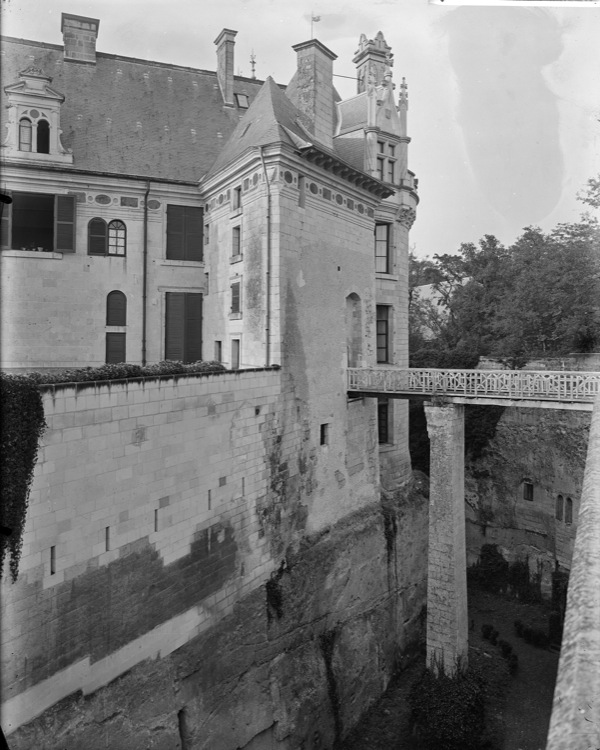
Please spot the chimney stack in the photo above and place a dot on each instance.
(225, 43)
(79, 37)
(373, 60)
(311, 88)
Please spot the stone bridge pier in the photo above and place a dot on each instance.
(447, 619)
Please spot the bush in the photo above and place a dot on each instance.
(486, 631)
(494, 636)
(449, 711)
(505, 648)
(513, 664)
(528, 635)
(519, 628)
(122, 371)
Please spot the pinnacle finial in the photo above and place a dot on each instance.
(403, 96)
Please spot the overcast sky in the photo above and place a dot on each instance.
(504, 101)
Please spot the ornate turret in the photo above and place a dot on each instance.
(373, 60)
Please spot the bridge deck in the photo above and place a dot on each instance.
(536, 388)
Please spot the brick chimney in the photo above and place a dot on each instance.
(311, 88)
(79, 37)
(225, 43)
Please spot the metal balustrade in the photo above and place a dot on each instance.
(532, 385)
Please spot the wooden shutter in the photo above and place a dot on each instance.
(193, 233)
(115, 348)
(5, 224)
(175, 325)
(64, 223)
(97, 237)
(193, 328)
(235, 297)
(116, 309)
(175, 232)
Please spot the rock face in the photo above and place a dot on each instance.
(523, 493)
(295, 663)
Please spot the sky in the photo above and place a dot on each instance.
(504, 110)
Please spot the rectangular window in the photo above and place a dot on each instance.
(235, 298)
(391, 171)
(206, 234)
(218, 351)
(380, 169)
(383, 333)
(39, 222)
(383, 425)
(237, 199)
(52, 560)
(184, 233)
(381, 146)
(235, 354)
(391, 149)
(324, 434)
(107, 538)
(236, 242)
(242, 101)
(382, 248)
(528, 491)
(115, 348)
(559, 508)
(301, 191)
(183, 326)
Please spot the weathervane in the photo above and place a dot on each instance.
(313, 20)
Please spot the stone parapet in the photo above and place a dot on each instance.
(575, 721)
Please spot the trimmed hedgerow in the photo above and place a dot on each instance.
(23, 424)
(123, 371)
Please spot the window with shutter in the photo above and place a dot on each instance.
(97, 237)
(183, 326)
(115, 348)
(184, 233)
(39, 222)
(116, 309)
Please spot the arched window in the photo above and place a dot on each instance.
(24, 134)
(117, 236)
(43, 137)
(116, 309)
(569, 511)
(97, 237)
(559, 508)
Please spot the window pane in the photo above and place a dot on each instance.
(382, 248)
(382, 333)
(559, 508)
(235, 298)
(383, 420)
(235, 354)
(569, 511)
(25, 135)
(116, 238)
(235, 242)
(43, 137)
(33, 221)
(116, 309)
(115, 348)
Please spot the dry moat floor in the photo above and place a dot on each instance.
(519, 707)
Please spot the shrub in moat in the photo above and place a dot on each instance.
(505, 648)
(519, 628)
(486, 631)
(513, 664)
(449, 711)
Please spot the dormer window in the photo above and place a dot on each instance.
(34, 119)
(242, 101)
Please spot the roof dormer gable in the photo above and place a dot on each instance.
(33, 122)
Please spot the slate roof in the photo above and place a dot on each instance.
(271, 118)
(131, 116)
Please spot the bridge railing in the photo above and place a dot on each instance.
(509, 384)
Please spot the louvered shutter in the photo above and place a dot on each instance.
(175, 325)
(235, 297)
(175, 232)
(115, 348)
(97, 237)
(193, 328)
(193, 233)
(64, 223)
(5, 225)
(116, 309)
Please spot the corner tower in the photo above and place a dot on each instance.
(372, 131)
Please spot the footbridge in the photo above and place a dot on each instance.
(533, 388)
(575, 721)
